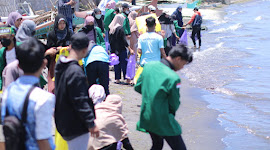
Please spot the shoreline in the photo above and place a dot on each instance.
(200, 127)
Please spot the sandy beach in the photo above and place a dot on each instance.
(201, 129)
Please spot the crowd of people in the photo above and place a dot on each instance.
(77, 93)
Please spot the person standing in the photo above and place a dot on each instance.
(74, 110)
(195, 22)
(99, 19)
(150, 44)
(59, 37)
(26, 30)
(167, 26)
(119, 45)
(41, 104)
(93, 32)
(125, 13)
(159, 85)
(8, 51)
(65, 8)
(178, 23)
(14, 20)
(134, 31)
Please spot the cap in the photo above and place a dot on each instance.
(152, 8)
(196, 9)
(125, 5)
(6, 30)
(79, 41)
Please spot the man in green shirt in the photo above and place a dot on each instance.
(159, 85)
(125, 12)
(7, 52)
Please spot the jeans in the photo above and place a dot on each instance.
(122, 66)
(196, 31)
(69, 21)
(98, 70)
(175, 142)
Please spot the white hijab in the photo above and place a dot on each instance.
(97, 93)
(117, 21)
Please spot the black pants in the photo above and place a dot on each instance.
(175, 142)
(98, 70)
(196, 31)
(169, 45)
(121, 66)
(133, 2)
(126, 145)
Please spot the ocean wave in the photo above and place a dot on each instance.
(258, 18)
(230, 28)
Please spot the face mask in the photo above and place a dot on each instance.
(89, 27)
(127, 11)
(5, 42)
(98, 16)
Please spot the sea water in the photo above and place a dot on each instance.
(233, 67)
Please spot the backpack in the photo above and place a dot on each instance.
(14, 129)
(197, 21)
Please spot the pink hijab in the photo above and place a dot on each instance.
(111, 123)
(111, 4)
(132, 21)
(117, 21)
(88, 19)
(13, 17)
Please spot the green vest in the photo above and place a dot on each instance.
(126, 26)
(159, 86)
(109, 15)
(3, 63)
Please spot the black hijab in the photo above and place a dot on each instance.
(98, 22)
(61, 34)
(164, 20)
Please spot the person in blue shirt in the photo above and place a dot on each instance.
(151, 44)
(41, 104)
(96, 66)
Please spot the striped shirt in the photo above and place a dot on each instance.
(65, 9)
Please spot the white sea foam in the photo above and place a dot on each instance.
(230, 28)
(258, 18)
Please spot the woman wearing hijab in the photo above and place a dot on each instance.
(134, 31)
(26, 30)
(59, 37)
(99, 19)
(119, 44)
(94, 33)
(14, 20)
(178, 23)
(109, 120)
(167, 26)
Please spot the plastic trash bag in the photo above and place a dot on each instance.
(60, 143)
(114, 59)
(184, 39)
(131, 66)
(138, 73)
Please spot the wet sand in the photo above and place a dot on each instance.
(201, 129)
